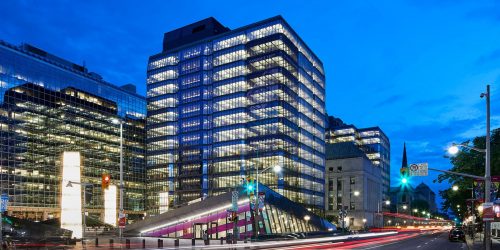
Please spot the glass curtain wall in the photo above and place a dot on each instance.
(223, 107)
(49, 107)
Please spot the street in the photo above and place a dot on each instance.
(420, 241)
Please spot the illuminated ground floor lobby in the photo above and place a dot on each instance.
(214, 217)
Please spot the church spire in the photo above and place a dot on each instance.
(405, 160)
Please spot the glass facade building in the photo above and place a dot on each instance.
(372, 141)
(49, 105)
(223, 103)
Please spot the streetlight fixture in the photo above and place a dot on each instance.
(487, 171)
(306, 218)
(120, 214)
(455, 188)
(405, 207)
(453, 149)
(356, 193)
(277, 169)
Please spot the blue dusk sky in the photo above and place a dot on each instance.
(415, 68)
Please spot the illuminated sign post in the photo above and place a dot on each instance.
(110, 195)
(71, 197)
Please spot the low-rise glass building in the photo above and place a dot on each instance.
(278, 216)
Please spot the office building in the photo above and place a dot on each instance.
(49, 105)
(372, 141)
(223, 103)
(354, 185)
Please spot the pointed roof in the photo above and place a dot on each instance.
(405, 160)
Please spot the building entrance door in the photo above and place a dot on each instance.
(213, 228)
(198, 229)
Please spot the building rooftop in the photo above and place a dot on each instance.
(216, 29)
(193, 32)
(42, 55)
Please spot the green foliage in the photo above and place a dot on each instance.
(470, 162)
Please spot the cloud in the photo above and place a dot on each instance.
(391, 100)
(479, 129)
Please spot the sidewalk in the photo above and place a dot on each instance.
(477, 242)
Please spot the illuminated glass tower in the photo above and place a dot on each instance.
(223, 103)
(49, 105)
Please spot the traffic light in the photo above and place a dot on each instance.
(250, 186)
(106, 180)
(404, 175)
(404, 180)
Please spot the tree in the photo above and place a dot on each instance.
(470, 162)
(421, 205)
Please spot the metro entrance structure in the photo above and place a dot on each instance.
(279, 216)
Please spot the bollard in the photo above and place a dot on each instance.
(160, 243)
(96, 242)
(110, 242)
(221, 241)
(193, 242)
(176, 242)
(127, 243)
(143, 243)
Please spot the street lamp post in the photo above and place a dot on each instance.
(487, 176)
(487, 172)
(120, 213)
(379, 204)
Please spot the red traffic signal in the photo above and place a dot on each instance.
(106, 180)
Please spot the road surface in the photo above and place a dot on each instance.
(417, 241)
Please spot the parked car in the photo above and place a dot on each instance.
(456, 235)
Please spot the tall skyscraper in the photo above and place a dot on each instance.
(224, 103)
(372, 141)
(49, 105)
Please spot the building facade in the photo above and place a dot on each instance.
(49, 105)
(353, 184)
(372, 141)
(223, 103)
